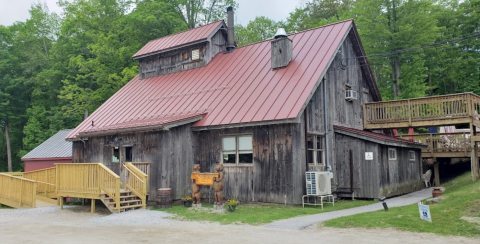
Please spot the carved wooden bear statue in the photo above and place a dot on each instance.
(196, 196)
(218, 185)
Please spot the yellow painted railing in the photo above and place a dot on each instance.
(17, 192)
(45, 178)
(89, 179)
(422, 109)
(16, 174)
(136, 181)
(145, 168)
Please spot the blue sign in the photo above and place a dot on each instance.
(424, 212)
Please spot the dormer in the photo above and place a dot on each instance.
(182, 51)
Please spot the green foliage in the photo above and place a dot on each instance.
(461, 198)
(257, 214)
(259, 29)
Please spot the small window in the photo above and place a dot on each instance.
(128, 154)
(116, 155)
(237, 149)
(196, 54)
(392, 154)
(315, 150)
(411, 155)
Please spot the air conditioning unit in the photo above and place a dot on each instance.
(350, 95)
(318, 183)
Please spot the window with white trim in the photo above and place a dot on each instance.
(411, 155)
(237, 149)
(392, 154)
(315, 150)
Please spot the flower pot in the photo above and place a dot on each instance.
(232, 208)
(436, 192)
(187, 204)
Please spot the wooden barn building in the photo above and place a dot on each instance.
(271, 111)
(54, 150)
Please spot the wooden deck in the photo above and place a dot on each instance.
(453, 109)
(85, 180)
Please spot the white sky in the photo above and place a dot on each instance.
(17, 10)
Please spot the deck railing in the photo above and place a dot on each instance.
(17, 192)
(16, 174)
(136, 181)
(45, 178)
(145, 168)
(87, 178)
(422, 109)
(442, 142)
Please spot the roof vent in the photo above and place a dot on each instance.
(230, 30)
(280, 33)
(281, 50)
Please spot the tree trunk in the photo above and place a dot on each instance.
(395, 63)
(9, 152)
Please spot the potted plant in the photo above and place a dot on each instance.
(231, 204)
(187, 201)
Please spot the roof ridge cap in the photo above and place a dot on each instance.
(186, 30)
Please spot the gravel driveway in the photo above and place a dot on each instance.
(77, 225)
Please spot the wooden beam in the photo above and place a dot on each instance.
(436, 171)
(60, 201)
(426, 123)
(475, 138)
(93, 206)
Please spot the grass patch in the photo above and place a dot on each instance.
(258, 214)
(461, 198)
(5, 206)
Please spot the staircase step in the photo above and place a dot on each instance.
(131, 206)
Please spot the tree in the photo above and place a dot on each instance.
(259, 29)
(200, 12)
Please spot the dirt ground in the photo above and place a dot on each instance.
(78, 225)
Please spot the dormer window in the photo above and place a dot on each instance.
(195, 54)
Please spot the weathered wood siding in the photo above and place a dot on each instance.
(377, 177)
(365, 172)
(170, 153)
(181, 59)
(399, 176)
(277, 173)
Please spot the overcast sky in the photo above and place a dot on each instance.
(17, 10)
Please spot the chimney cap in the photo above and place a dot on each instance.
(280, 33)
(229, 8)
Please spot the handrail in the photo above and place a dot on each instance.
(406, 111)
(15, 174)
(145, 168)
(16, 191)
(109, 182)
(442, 142)
(45, 177)
(136, 181)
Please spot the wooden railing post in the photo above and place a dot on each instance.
(34, 195)
(409, 114)
(117, 193)
(21, 193)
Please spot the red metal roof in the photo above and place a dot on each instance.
(376, 135)
(238, 87)
(179, 39)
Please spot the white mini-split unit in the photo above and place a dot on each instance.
(350, 95)
(318, 183)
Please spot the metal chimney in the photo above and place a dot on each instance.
(282, 48)
(231, 30)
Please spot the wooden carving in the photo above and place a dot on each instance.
(196, 196)
(218, 185)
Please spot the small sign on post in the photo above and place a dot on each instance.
(424, 212)
(368, 155)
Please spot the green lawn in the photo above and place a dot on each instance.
(258, 214)
(461, 198)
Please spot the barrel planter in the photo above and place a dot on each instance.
(164, 198)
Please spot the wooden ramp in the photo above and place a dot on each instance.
(86, 180)
(454, 109)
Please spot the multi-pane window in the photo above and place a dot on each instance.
(315, 149)
(237, 149)
(411, 155)
(392, 154)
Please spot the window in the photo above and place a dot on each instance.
(116, 155)
(237, 149)
(392, 154)
(411, 155)
(195, 54)
(315, 149)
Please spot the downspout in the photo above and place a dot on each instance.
(327, 165)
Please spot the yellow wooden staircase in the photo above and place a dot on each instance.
(84, 180)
